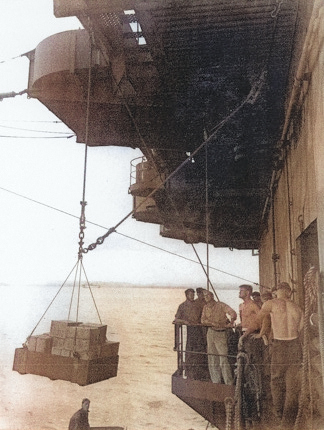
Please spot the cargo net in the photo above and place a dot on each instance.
(69, 348)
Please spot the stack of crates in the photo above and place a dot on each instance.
(74, 351)
(84, 341)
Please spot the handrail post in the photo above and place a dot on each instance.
(178, 346)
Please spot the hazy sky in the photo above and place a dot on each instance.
(40, 244)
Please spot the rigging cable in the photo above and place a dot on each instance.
(289, 204)
(82, 221)
(33, 130)
(30, 120)
(38, 137)
(305, 400)
(128, 237)
(275, 255)
(83, 203)
(6, 60)
(52, 301)
(91, 292)
(12, 94)
(216, 129)
(206, 271)
(207, 209)
(158, 174)
(73, 290)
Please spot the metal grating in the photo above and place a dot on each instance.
(201, 60)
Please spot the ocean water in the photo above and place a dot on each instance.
(138, 398)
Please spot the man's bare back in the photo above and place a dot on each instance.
(286, 318)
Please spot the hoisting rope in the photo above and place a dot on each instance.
(32, 332)
(83, 203)
(79, 270)
(248, 383)
(242, 358)
(229, 403)
(73, 290)
(311, 287)
(207, 210)
(86, 141)
(206, 273)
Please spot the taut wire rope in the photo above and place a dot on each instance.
(207, 212)
(83, 203)
(130, 237)
(206, 271)
(250, 96)
(52, 300)
(79, 291)
(73, 289)
(90, 289)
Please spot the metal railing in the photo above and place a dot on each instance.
(195, 361)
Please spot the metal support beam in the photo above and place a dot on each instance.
(63, 8)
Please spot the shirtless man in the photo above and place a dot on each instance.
(287, 323)
(248, 311)
(253, 348)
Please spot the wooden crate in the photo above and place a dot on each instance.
(44, 343)
(20, 360)
(40, 343)
(109, 348)
(63, 328)
(93, 333)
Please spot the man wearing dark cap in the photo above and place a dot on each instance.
(256, 297)
(188, 314)
(286, 357)
(79, 420)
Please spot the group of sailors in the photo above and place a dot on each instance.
(268, 333)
